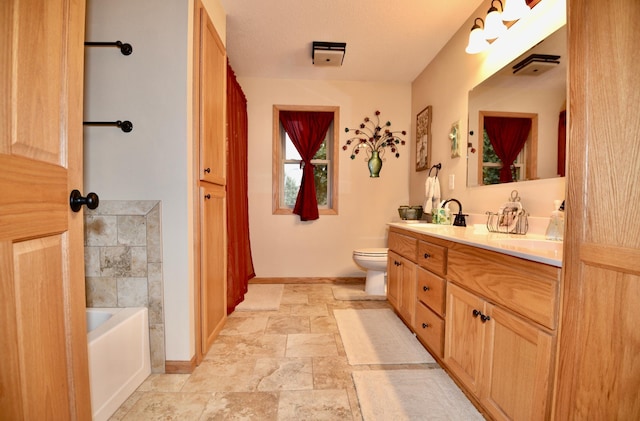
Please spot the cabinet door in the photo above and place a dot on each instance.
(464, 336)
(517, 368)
(211, 102)
(213, 274)
(394, 276)
(407, 290)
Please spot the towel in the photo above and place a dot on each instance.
(432, 193)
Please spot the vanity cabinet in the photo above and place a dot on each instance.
(500, 331)
(490, 319)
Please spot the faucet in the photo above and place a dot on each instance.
(460, 220)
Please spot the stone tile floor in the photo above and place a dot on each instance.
(265, 365)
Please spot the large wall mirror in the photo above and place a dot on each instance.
(519, 114)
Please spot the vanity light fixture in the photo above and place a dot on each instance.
(477, 41)
(493, 25)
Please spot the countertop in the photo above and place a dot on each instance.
(532, 247)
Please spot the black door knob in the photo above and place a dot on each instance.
(76, 200)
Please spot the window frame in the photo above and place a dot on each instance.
(530, 149)
(279, 160)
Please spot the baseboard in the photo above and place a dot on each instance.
(338, 280)
(180, 367)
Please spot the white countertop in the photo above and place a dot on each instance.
(532, 247)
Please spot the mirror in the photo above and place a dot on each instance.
(532, 87)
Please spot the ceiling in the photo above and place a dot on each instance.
(386, 40)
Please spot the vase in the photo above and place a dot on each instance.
(375, 164)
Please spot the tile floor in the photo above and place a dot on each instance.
(265, 365)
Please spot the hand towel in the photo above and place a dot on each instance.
(432, 194)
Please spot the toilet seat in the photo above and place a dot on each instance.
(371, 252)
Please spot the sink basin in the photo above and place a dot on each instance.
(530, 243)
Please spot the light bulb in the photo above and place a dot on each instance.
(515, 10)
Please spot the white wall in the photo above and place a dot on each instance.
(152, 89)
(282, 245)
(445, 84)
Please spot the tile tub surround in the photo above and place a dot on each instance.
(123, 263)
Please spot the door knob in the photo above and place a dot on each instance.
(76, 200)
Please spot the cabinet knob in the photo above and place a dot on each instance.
(476, 313)
(424, 325)
(484, 318)
(207, 196)
(427, 255)
(395, 262)
(207, 170)
(425, 288)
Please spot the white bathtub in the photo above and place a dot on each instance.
(119, 359)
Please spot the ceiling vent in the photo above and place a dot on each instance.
(535, 64)
(328, 54)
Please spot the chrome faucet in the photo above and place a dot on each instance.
(460, 220)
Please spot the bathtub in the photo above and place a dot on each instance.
(119, 359)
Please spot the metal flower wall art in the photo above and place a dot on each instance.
(374, 139)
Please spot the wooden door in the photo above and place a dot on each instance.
(599, 343)
(43, 368)
(394, 277)
(213, 294)
(407, 290)
(517, 368)
(464, 336)
(212, 79)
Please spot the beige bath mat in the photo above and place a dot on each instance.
(403, 395)
(262, 297)
(354, 293)
(378, 336)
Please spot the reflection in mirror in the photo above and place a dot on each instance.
(518, 116)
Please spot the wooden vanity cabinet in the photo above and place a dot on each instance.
(490, 319)
(500, 331)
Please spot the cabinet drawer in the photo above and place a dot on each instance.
(530, 293)
(403, 245)
(431, 290)
(430, 329)
(432, 257)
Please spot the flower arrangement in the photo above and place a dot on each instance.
(371, 137)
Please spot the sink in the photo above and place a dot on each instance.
(530, 243)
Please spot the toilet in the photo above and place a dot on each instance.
(374, 261)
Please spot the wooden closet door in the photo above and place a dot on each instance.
(43, 344)
(599, 346)
(214, 263)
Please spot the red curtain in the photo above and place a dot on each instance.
(239, 262)
(307, 130)
(562, 142)
(508, 136)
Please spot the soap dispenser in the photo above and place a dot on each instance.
(555, 230)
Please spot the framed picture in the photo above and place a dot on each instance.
(423, 139)
(454, 136)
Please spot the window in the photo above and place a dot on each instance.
(524, 166)
(287, 172)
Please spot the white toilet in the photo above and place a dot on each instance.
(374, 260)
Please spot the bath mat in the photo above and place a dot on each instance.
(378, 336)
(400, 395)
(354, 293)
(262, 297)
